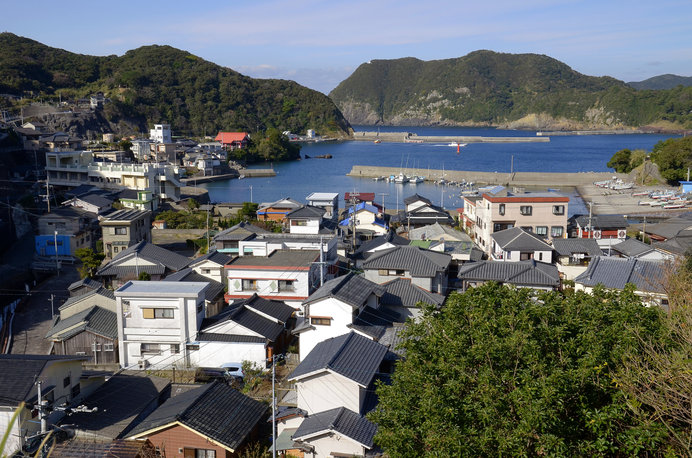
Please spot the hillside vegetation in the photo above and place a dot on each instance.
(161, 84)
(508, 90)
(666, 81)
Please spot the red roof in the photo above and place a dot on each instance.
(361, 196)
(230, 137)
(525, 199)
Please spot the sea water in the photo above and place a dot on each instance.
(298, 179)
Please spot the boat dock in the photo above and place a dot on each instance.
(531, 179)
(408, 137)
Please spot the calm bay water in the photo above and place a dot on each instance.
(298, 179)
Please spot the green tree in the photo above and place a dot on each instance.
(673, 157)
(507, 372)
(144, 276)
(90, 261)
(637, 158)
(248, 211)
(621, 161)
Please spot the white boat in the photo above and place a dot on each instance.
(674, 205)
(401, 178)
(460, 145)
(380, 178)
(416, 179)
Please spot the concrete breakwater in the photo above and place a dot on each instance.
(245, 173)
(533, 179)
(408, 137)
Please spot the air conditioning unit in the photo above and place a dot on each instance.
(143, 363)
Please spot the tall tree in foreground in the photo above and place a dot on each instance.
(501, 372)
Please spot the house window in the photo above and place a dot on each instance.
(526, 210)
(397, 272)
(120, 231)
(66, 381)
(249, 285)
(527, 228)
(541, 230)
(558, 209)
(115, 249)
(175, 348)
(153, 313)
(95, 346)
(556, 231)
(108, 347)
(321, 320)
(75, 391)
(298, 222)
(286, 285)
(383, 272)
(150, 348)
(199, 453)
(501, 209)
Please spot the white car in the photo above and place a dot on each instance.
(234, 370)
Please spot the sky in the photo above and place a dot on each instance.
(320, 43)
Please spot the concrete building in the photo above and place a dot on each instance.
(327, 200)
(156, 321)
(64, 230)
(161, 133)
(543, 214)
(125, 228)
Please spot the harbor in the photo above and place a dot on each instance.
(409, 137)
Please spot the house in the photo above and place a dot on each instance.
(123, 229)
(601, 227)
(668, 229)
(402, 299)
(420, 211)
(543, 214)
(129, 263)
(523, 274)
(233, 140)
(157, 320)
(515, 244)
(305, 220)
(332, 310)
(124, 400)
(285, 275)
(213, 420)
(83, 286)
(437, 231)
(161, 133)
(92, 333)
(334, 386)
(211, 265)
(253, 330)
(277, 211)
(678, 245)
(633, 248)
(379, 243)
(425, 268)
(21, 378)
(468, 216)
(329, 201)
(266, 243)
(65, 230)
(227, 240)
(213, 295)
(574, 255)
(355, 198)
(139, 200)
(141, 148)
(648, 277)
(95, 203)
(368, 220)
(97, 100)
(60, 141)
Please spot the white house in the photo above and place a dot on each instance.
(211, 265)
(161, 133)
(156, 321)
(426, 269)
(368, 219)
(329, 201)
(515, 244)
(331, 310)
(305, 220)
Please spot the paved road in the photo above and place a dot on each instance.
(32, 320)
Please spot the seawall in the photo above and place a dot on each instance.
(557, 180)
(408, 137)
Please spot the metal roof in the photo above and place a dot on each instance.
(350, 355)
(529, 273)
(153, 253)
(278, 259)
(603, 222)
(340, 421)
(161, 288)
(240, 231)
(307, 211)
(615, 273)
(415, 198)
(101, 291)
(351, 288)
(568, 247)
(436, 230)
(421, 263)
(94, 319)
(125, 215)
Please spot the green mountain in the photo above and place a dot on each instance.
(666, 81)
(161, 84)
(508, 90)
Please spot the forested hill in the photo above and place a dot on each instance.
(161, 84)
(666, 81)
(509, 90)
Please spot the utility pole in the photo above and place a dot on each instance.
(55, 246)
(52, 314)
(207, 228)
(589, 227)
(273, 406)
(47, 192)
(353, 196)
(383, 194)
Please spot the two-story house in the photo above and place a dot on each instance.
(420, 211)
(426, 269)
(227, 241)
(277, 211)
(329, 201)
(522, 274)
(123, 229)
(574, 255)
(305, 220)
(65, 230)
(544, 214)
(232, 140)
(284, 275)
(156, 321)
(515, 244)
(366, 219)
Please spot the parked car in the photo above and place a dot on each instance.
(234, 370)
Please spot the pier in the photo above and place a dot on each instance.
(408, 137)
(530, 179)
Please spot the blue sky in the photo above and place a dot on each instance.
(320, 43)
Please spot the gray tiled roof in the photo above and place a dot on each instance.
(278, 259)
(437, 231)
(615, 273)
(373, 322)
(100, 291)
(127, 214)
(96, 199)
(517, 239)
(240, 231)
(352, 289)
(632, 248)
(213, 256)
(401, 292)
(214, 290)
(421, 263)
(94, 319)
(679, 245)
(670, 227)
(340, 421)
(307, 211)
(127, 271)
(247, 318)
(568, 247)
(120, 400)
(351, 355)
(18, 374)
(163, 258)
(389, 237)
(414, 198)
(602, 222)
(275, 309)
(215, 410)
(529, 273)
(216, 337)
(86, 282)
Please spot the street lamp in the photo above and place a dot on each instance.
(55, 247)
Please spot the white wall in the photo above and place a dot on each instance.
(214, 354)
(326, 444)
(327, 391)
(341, 314)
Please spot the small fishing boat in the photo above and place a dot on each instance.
(401, 178)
